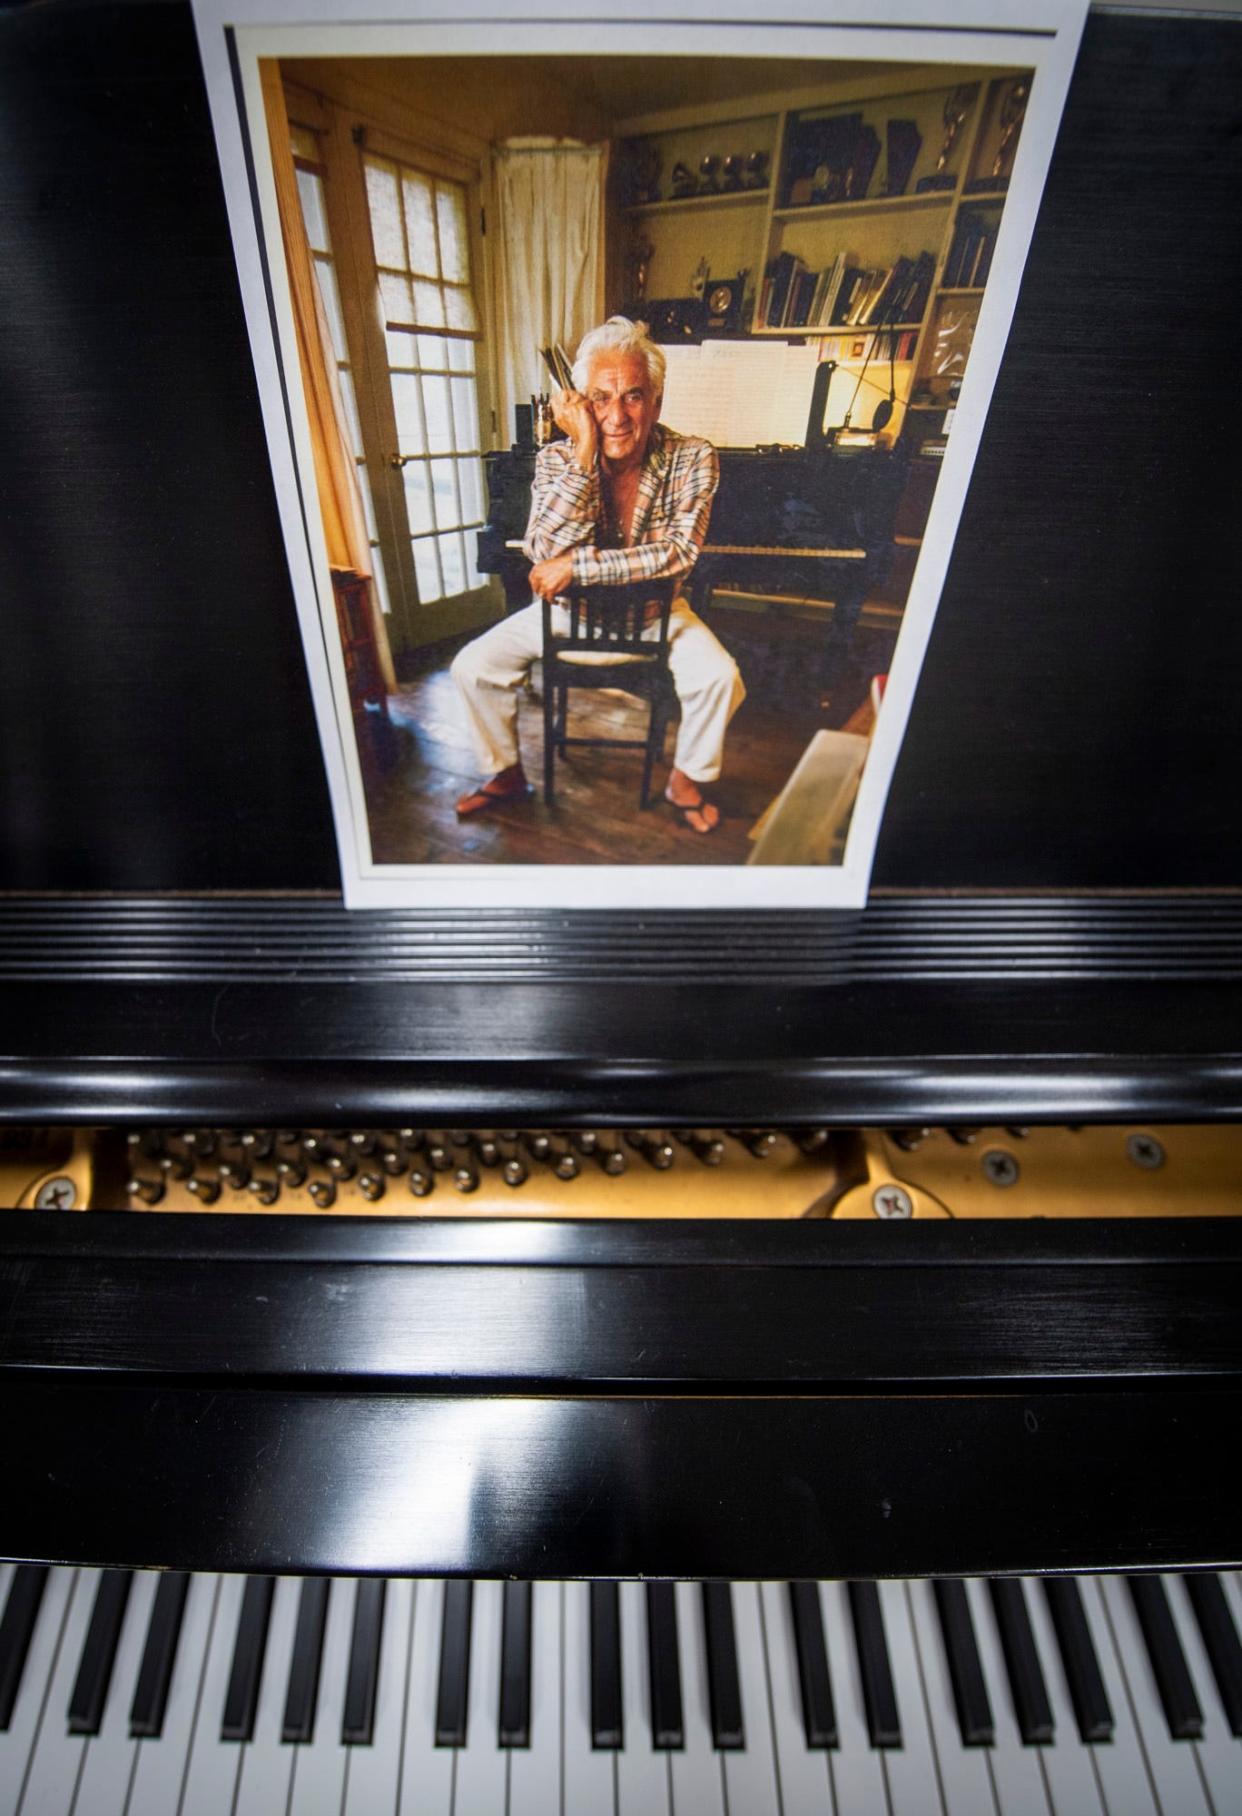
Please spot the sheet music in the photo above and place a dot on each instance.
(740, 394)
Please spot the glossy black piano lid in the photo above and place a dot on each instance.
(744, 1400)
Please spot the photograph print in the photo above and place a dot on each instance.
(624, 390)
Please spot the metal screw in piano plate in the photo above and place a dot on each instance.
(999, 1168)
(892, 1201)
(59, 1194)
(1145, 1151)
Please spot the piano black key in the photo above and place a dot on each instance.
(358, 1721)
(1168, 1661)
(242, 1696)
(453, 1691)
(664, 1666)
(1026, 1677)
(1220, 1638)
(724, 1692)
(607, 1717)
(819, 1715)
(514, 1726)
(1092, 1710)
(879, 1696)
(970, 1692)
(21, 1611)
(302, 1694)
(90, 1689)
(146, 1712)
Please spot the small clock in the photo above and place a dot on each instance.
(722, 306)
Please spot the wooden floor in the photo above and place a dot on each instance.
(596, 818)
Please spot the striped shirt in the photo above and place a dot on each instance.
(679, 477)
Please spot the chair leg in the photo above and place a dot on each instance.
(549, 741)
(562, 719)
(655, 741)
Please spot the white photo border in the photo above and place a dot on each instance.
(234, 34)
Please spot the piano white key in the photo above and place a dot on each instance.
(57, 1757)
(642, 1772)
(535, 1771)
(211, 1776)
(32, 1707)
(160, 1771)
(965, 1780)
(267, 1760)
(750, 1775)
(319, 1765)
(857, 1773)
(426, 1769)
(1172, 1763)
(481, 1786)
(1069, 1764)
(1220, 1754)
(913, 1785)
(805, 1778)
(373, 1773)
(590, 1774)
(1017, 1771)
(1122, 1768)
(696, 1771)
(111, 1755)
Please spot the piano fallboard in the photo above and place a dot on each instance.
(431, 1398)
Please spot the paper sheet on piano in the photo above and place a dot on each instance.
(739, 394)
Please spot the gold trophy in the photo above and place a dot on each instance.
(1012, 114)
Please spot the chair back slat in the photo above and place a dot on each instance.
(613, 620)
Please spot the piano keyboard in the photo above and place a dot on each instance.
(139, 1694)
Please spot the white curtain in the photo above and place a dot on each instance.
(549, 254)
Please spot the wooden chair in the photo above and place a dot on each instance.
(604, 646)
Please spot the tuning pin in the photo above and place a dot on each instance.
(291, 1172)
(199, 1141)
(206, 1190)
(257, 1143)
(612, 1158)
(908, 1139)
(362, 1141)
(286, 1136)
(567, 1166)
(488, 1150)
(514, 1172)
(963, 1137)
(810, 1141)
(323, 1193)
(438, 1157)
(392, 1162)
(421, 1182)
(311, 1146)
(233, 1173)
(537, 1144)
(460, 1138)
(707, 1148)
(176, 1166)
(760, 1142)
(466, 1179)
(372, 1185)
(410, 1138)
(341, 1166)
(655, 1147)
(267, 1191)
(144, 1142)
(149, 1190)
(586, 1141)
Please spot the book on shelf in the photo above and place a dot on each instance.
(970, 255)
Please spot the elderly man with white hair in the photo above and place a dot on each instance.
(621, 499)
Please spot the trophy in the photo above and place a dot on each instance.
(757, 170)
(732, 173)
(709, 172)
(957, 105)
(1012, 113)
(641, 254)
(645, 173)
(683, 182)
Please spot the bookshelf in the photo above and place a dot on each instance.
(832, 160)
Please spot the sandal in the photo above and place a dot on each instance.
(686, 808)
(480, 799)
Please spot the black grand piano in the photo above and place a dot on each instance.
(743, 1514)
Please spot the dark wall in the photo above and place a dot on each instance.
(1075, 722)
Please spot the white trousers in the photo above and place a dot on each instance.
(490, 670)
